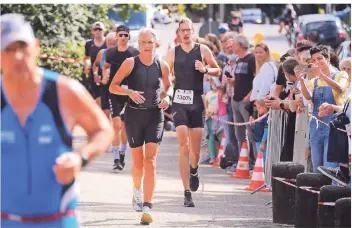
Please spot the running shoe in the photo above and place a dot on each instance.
(334, 174)
(137, 201)
(146, 218)
(117, 164)
(188, 202)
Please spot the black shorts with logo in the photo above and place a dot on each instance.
(143, 126)
(117, 104)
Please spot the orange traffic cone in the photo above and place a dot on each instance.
(221, 151)
(242, 169)
(258, 175)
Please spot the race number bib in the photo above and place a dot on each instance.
(183, 96)
(124, 86)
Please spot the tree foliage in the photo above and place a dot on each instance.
(63, 28)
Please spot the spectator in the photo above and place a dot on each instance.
(261, 128)
(345, 65)
(328, 87)
(244, 75)
(314, 37)
(341, 174)
(222, 31)
(227, 80)
(334, 60)
(286, 153)
(266, 73)
(236, 24)
(212, 38)
(212, 109)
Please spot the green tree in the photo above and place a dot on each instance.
(63, 28)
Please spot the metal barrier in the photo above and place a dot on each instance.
(277, 122)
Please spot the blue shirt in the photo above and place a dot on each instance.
(28, 183)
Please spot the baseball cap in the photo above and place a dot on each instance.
(98, 24)
(14, 28)
(222, 29)
(122, 28)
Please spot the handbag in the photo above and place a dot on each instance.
(338, 140)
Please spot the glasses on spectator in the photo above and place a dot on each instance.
(98, 29)
(123, 35)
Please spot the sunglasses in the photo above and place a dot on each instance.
(98, 29)
(124, 35)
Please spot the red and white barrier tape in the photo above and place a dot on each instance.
(332, 204)
(60, 59)
(305, 188)
(285, 181)
(240, 124)
(316, 119)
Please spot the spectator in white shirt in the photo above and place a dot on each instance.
(266, 72)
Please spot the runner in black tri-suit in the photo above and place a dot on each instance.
(187, 62)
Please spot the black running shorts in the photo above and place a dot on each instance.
(104, 92)
(116, 103)
(143, 126)
(95, 90)
(192, 116)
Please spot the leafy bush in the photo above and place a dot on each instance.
(63, 28)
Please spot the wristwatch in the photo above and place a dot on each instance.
(206, 70)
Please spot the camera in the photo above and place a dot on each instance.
(340, 121)
(228, 74)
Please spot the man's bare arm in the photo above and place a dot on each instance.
(214, 69)
(84, 111)
(166, 77)
(123, 72)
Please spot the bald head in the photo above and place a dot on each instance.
(110, 39)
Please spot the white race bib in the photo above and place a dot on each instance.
(183, 96)
(124, 86)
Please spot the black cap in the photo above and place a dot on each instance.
(123, 28)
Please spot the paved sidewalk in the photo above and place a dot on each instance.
(106, 196)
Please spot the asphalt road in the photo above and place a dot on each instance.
(106, 196)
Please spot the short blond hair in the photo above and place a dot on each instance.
(185, 20)
(147, 31)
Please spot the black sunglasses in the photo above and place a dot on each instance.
(125, 35)
(98, 29)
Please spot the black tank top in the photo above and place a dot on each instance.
(146, 79)
(93, 51)
(187, 77)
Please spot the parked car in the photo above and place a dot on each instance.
(343, 50)
(329, 27)
(255, 15)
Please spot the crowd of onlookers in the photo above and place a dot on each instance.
(308, 80)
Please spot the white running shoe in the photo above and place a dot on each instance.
(146, 218)
(137, 200)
